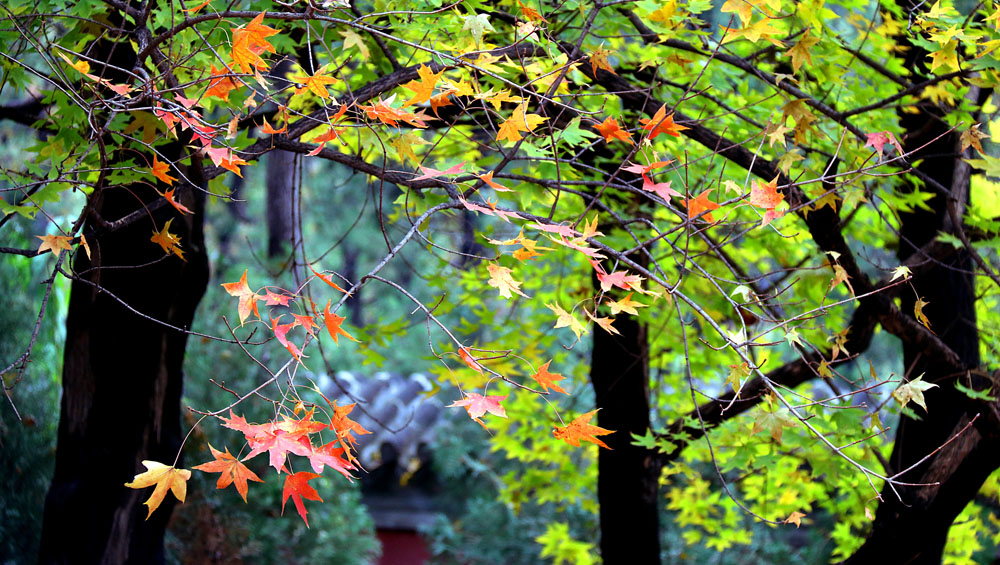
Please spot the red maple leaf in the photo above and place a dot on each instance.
(477, 405)
(248, 298)
(297, 487)
(330, 455)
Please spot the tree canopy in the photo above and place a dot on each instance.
(729, 262)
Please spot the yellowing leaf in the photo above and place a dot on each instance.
(168, 241)
(165, 478)
(518, 122)
(501, 279)
(795, 518)
(423, 89)
(54, 243)
(160, 170)
(352, 39)
(315, 83)
(567, 320)
(626, 305)
(918, 313)
(913, 390)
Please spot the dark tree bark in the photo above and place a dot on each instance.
(122, 373)
(913, 526)
(122, 380)
(280, 187)
(628, 475)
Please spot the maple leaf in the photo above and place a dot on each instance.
(477, 405)
(477, 24)
(328, 279)
(529, 13)
(160, 170)
(423, 89)
(278, 443)
(840, 276)
(250, 41)
(913, 390)
(518, 122)
(165, 478)
(878, 140)
(626, 305)
(548, 380)
(900, 272)
(430, 173)
(330, 455)
(468, 359)
(611, 131)
(248, 298)
(567, 320)
(231, 163)
(333, 322)
(82, 67)
(169, 196)
(661, 189)
(266, 128)
(168, 241)
(918, 313)
(54, 243)
(500, 279)
(580, 429)
(315, 83)
(774, 422)
(766, 195)
(352, 39)
(661, 123)
(700, 204)
(604, 322)
(972, 136)
(385, 113)
(795, 518)
(599, 60)
(488, 179)
(297, 486)
(232, 470)
(275, 299)
(343, 424)
(800, 51)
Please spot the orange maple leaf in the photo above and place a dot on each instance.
(232, 163)
(297, 486)
(266, 128)
(165, 478)
(423, 89)
(248, 298)
(343, 425)
(518, 122)
(548, 380)
(169, 196)
(382, 111)
(160, 170)
(765, 195)
(328, 279)
(168, 241)
(232, 471)
(700, 204)
(477, 405)
(332, 323)
(472, 362)
(250, 41)
(611, 131)
(54, 243)
(529, 13)
(580, 429)
(661, 123)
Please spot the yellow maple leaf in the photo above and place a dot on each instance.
(626, 305)
(800, 51)
(501, 279)
(946, 57)
(168, 241)
(315, 83)
(567, 320)
(423, 89)
(165, 478)
(518, 122)
(54, 243)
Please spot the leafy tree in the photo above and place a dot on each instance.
(708, 211)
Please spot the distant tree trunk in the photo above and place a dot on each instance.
(122, 381)
(628, 475)
(913, 526)
(280, 188)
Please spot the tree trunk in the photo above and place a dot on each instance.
(628, 475)
(913, 526)
(122, 373)
(280, 184)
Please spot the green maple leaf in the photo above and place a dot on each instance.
(477, 24)
(913, 390)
